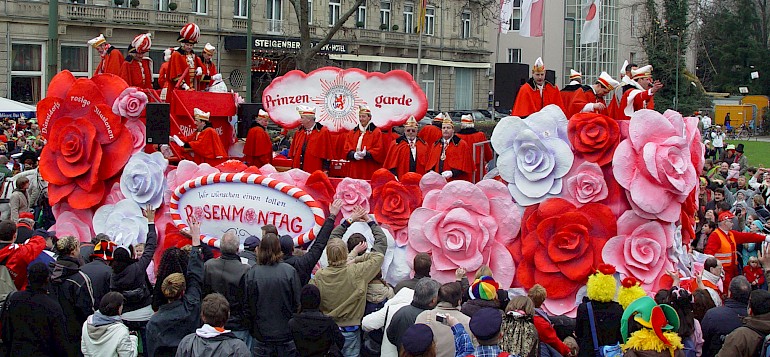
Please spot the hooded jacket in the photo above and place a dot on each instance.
(107, 336)
(315, 333)
(34, 325)
(210, 341)
(744, 340)
(72, 289)
(17, 258)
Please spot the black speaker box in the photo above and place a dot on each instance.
(508, 78)
(158, 123)
(246, 112)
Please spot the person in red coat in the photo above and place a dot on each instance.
(591, 100)
(208, 67)
(258, 150)
(723, 241)
(472, 136)
(575, 86)
(754, 273)
(536, 93)
(408, 153)
(17, 257)
(137, 69)
(184, 66)
(545, 331)
(431, 133)
(641, 95)
(450, 156)
(163, 72)
(205, 143)
(310, 148)
(111, 56)
(364, 147)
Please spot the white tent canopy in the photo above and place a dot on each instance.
(14, 109)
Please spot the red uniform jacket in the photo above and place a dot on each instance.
(430, 133)
(529, 100)
(182, 66)
(375, 152)
(457, 158)
(388, 137)
(584, 97)
(18, 256)
(209, 70)
(137, 73)
(633, 99)
(110, 62)
(400, 159)
(310, 151)
(208, 147)
(258, 150)
(337, 145)
(163, 75)
(473, 136)
(568, 93)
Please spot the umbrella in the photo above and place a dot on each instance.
(14, 109)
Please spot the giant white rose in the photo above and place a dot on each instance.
(143, 179)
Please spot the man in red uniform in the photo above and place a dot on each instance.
(364, 147)
(569, 91)
(450, 156)
(310, 148)
(470, 135)
(591, 100)
(111, 56)
(163, 72)
(137, 69)
(431, 133)
(408, 153)
(208, 68)
(205, 143)
(723, 241)
(641, 95)
(536, 93)
(258, 150)
(184, 66)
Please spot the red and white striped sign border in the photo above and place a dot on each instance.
(256, 179)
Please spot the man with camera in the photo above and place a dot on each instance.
(449, 299)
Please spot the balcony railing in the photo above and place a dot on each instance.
(274, 26)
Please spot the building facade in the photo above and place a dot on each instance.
(380, 36)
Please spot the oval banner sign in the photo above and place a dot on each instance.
(243, 203)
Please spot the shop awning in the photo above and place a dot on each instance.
(13, 109)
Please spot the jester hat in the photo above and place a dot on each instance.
(652, 316)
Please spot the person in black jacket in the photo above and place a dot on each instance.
(181, 316)
(271, 296)
(718, 322)
(223, 275)
(601, 290)
(315, 334)
(34, 320)
(305, 263)
(72, 289)
(99, 270)
(129, 277)
(425, 298)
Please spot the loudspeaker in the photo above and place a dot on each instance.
(158, 123)
(508, 78)
(550, 76)
(246, 112)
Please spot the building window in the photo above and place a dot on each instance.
(274, 16)
(632, 58)
(27, 72)
(157, 60)
(239, 7)
(75, 60)
(465, 29)
(516, 16)
(161, 5)
(464, 88)
(385, 15)
(334, 11)
(634, 20)
(430, 20)
(428, 84)
(409, 17)
(361, 16)
(514, 55)
(200, 6)
(309, 12)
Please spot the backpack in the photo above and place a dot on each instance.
(7, 286)
(763, 346)
(519, 336)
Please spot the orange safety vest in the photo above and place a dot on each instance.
(726, 253)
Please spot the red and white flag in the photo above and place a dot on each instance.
(532, 18)
(506, 13)
(592, 25)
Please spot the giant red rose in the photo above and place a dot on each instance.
(85, 147)
(594, 136)
(561, 245)
(393, 201)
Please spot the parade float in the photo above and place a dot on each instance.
(567, 194)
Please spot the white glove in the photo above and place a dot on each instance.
(363, 153)
(177, 140)
(358, 156)
(447, 174)
(198, 71)
(185, 86)
(767, 238)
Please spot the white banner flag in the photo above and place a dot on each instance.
(532, 18)
(506, 12)
(592, 25)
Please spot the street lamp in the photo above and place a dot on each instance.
(676, 90)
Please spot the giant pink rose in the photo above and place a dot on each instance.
(353, 193)
(138, 135)
(640, 249)
(130, 104)
(654, 164)
(73, 222)
(466, 225)
(187, 170)
(585, 184)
